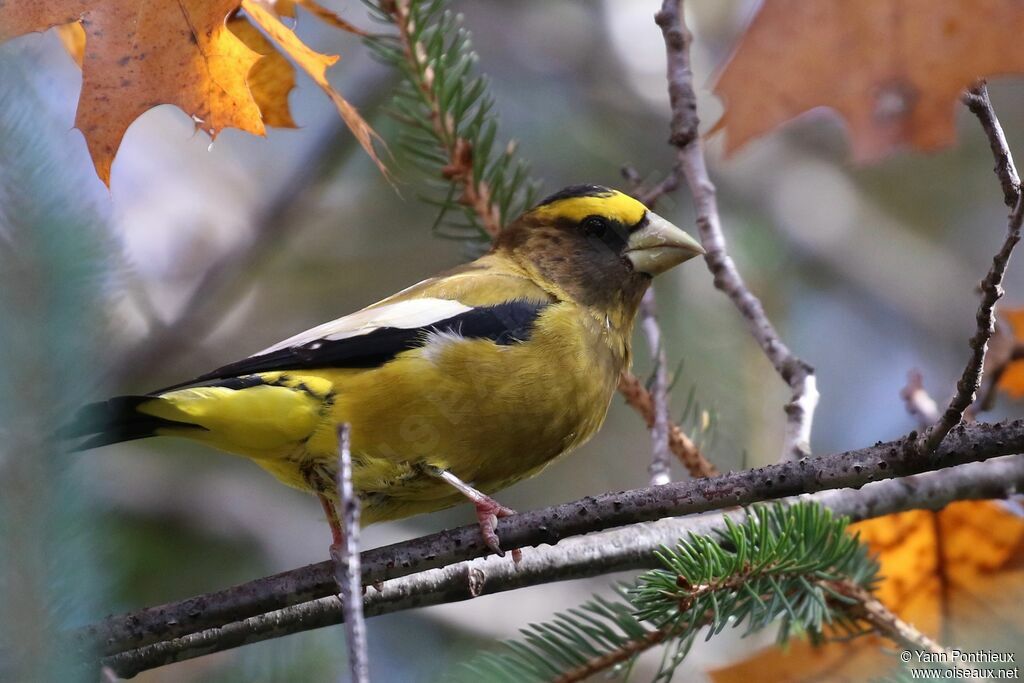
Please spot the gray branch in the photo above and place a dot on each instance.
(966, 443)
(346, 564)
(690, 163)
(660, 469)
(992, 286)
(627, 548)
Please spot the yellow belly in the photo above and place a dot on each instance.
(490, 414)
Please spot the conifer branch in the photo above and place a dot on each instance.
(447, 118)
(777, 563)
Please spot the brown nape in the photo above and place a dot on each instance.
(592, 270)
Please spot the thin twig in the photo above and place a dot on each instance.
(347, 571)
(888, 624)
(920, 405)
(666, 436)
(626, 548)
(618, 655)
(976, 99)
(660, 469)
(690, 163)
(992, 286)
(639, 398)
(990, 383)
(966, 443)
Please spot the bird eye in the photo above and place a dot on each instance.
(595, 225)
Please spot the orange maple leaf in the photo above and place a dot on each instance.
(957, 575)
(893, 69)
(143, 53)
(271, 79)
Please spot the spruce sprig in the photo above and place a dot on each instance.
(448, 126)
(795, 564)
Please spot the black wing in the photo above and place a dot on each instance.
(505, 324)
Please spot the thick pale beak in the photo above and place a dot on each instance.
(659, 245)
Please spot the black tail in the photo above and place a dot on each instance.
(114, 421)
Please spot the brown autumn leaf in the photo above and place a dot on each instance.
(143, 53)
(957, 575)
(893, 69)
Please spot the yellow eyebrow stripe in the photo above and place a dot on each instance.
(612, 204)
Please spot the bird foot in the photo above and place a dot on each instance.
(488, 512)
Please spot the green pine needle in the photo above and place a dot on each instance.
(776, 565)
(448, 130)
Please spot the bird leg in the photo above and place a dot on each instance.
(331, 513)
(488, 510)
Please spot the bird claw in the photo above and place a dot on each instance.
(488, 512)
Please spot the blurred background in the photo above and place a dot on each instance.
(200, 253)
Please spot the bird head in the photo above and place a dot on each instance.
(596, 244)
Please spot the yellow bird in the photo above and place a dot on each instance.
(454, 388)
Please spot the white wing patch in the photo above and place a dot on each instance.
(406, 315)
(436, 342)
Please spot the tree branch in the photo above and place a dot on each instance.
(966, 443)
(976, 99)
(638, 398)
(626, 548)
(690, 163)
(887, 623)
(476, 193)
(346, 565)
(992, 286)
(660, 468)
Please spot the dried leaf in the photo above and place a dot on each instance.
(893, 69)
(316, 65)
(957, 574)
(143, 53)
(271, 80)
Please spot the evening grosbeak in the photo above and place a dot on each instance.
(454, 388)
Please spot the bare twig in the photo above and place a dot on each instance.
(653, 406)
(978, 102)
(347, 571)
(992, 286)
(631, 547)
(690, 163)
(637, 396)
(623, 653)
(920, 405)
(966, 443)
(993, 374)
(888, 624)
(661, 459)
